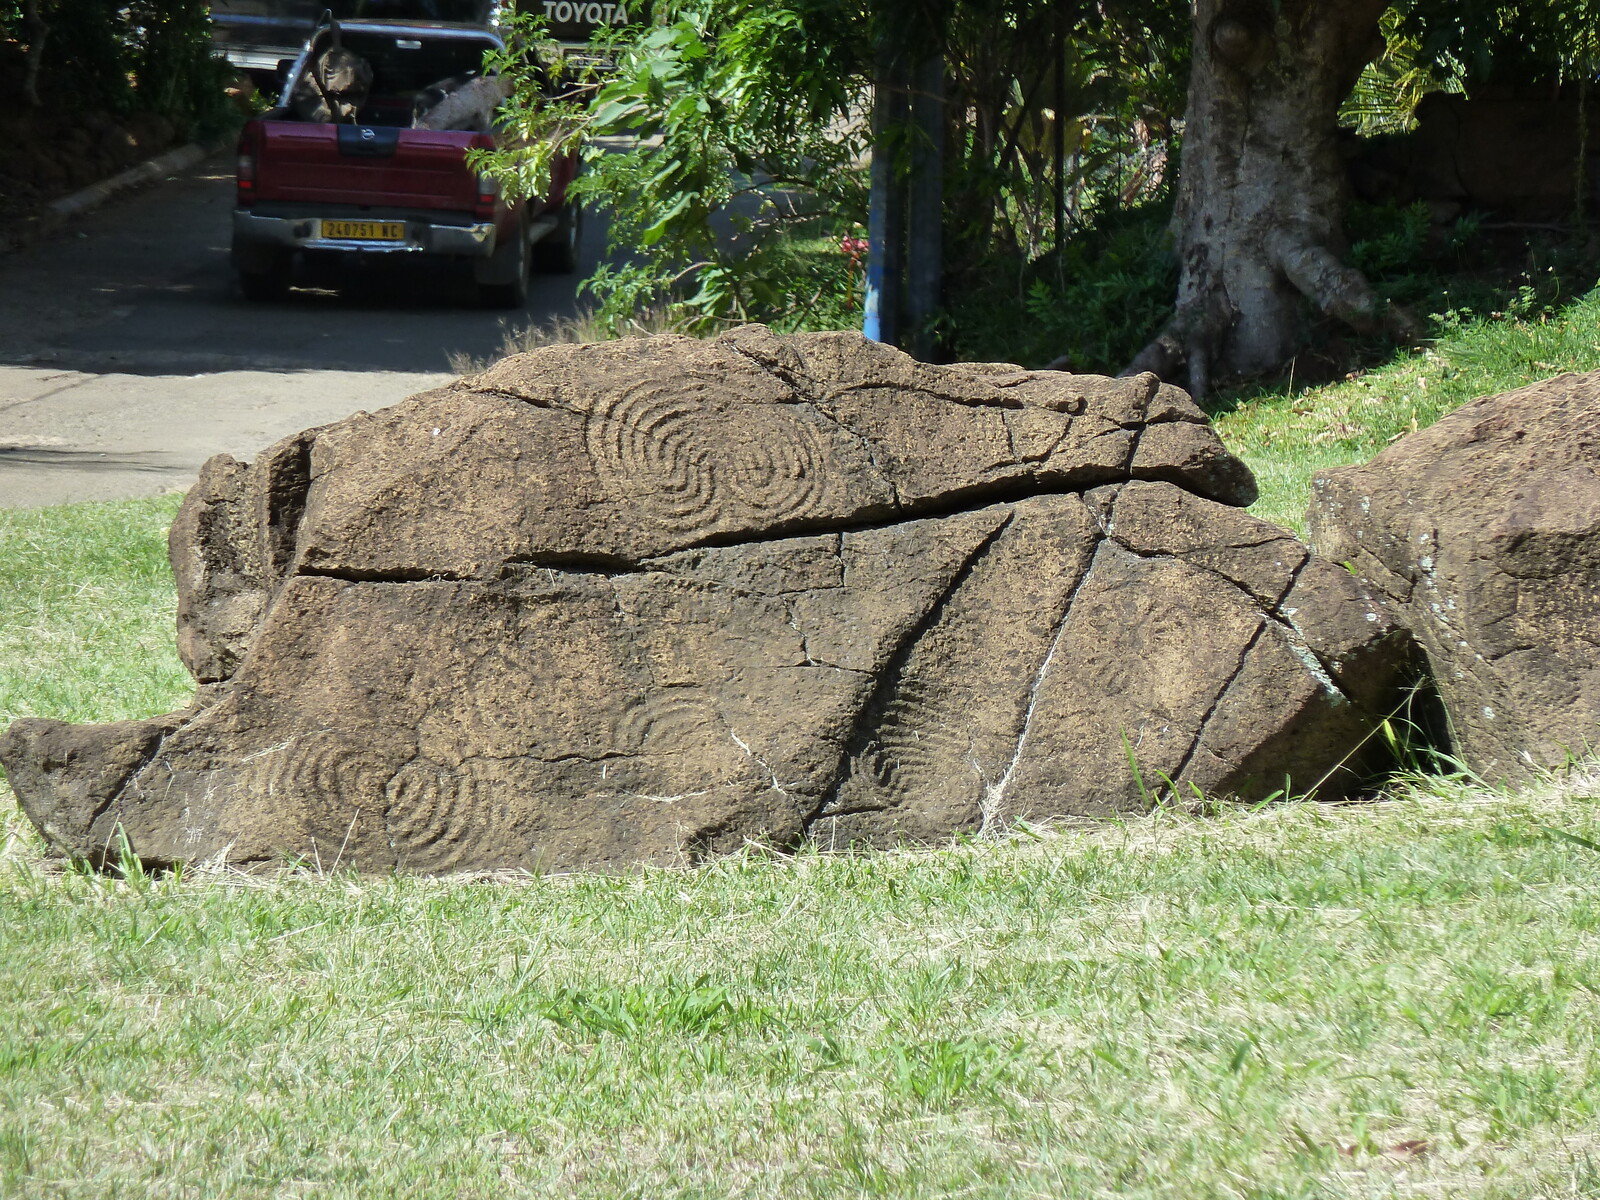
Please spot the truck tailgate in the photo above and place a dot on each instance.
(366, 165)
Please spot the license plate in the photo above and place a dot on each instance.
(364, 231)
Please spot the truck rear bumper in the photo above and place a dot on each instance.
(251, 231)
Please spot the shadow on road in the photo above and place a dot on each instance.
(128, 357)
(83, 460)
(143, 287)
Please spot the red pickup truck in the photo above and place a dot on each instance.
(347, 166)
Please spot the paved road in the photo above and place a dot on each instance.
(126, 358)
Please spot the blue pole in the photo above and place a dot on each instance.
(877, 241)
(886, 206)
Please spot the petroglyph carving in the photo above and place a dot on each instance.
(320, 767)
(667, 721)
(922, 744)
(693, 459)
(437, 819)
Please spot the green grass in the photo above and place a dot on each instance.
(1395, 999)
(87, 612)
(1275, 1004)
(1288, 434)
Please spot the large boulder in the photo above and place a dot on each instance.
(1484, 533)
(643, 601)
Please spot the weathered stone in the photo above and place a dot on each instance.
(67, 776)
(1484, 532)
(231, 545)
(643, 601)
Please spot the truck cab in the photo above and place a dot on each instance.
(262, 37)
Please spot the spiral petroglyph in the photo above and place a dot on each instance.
(693, 456)
(321, 768)
(667, 721)
(438, 819)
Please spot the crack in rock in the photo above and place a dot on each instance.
(994, 794)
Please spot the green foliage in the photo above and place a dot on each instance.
(1494, 41)
(150, 55)
(1117, 73)
(1385, 97)
(1386, 241)
(1094, 301)
(734, 152)
(748, 172)
(1063, 124)
(89, 38)
(176, 72)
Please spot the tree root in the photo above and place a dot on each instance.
(1195, 335)
(1342, 291)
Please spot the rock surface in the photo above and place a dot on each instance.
(642, 601)
(1484, 532)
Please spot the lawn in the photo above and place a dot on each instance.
(1396, 998)
(87, 612)
(1289, 434)
(1393, 999)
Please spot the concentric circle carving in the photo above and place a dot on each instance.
(440, 820)
(694, 457)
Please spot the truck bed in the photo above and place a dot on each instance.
(365, 165)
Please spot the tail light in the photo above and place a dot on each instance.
(249, 144)
(488, 194)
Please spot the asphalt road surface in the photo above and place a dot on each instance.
(127, 358)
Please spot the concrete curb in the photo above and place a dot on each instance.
(149, 171)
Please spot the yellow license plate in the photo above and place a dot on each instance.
(365, 231)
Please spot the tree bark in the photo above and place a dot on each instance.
(1259, 222)
(925, 208)
(37, 33)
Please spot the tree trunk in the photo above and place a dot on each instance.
(925, 209)
(1260, 213)
(37, 33)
